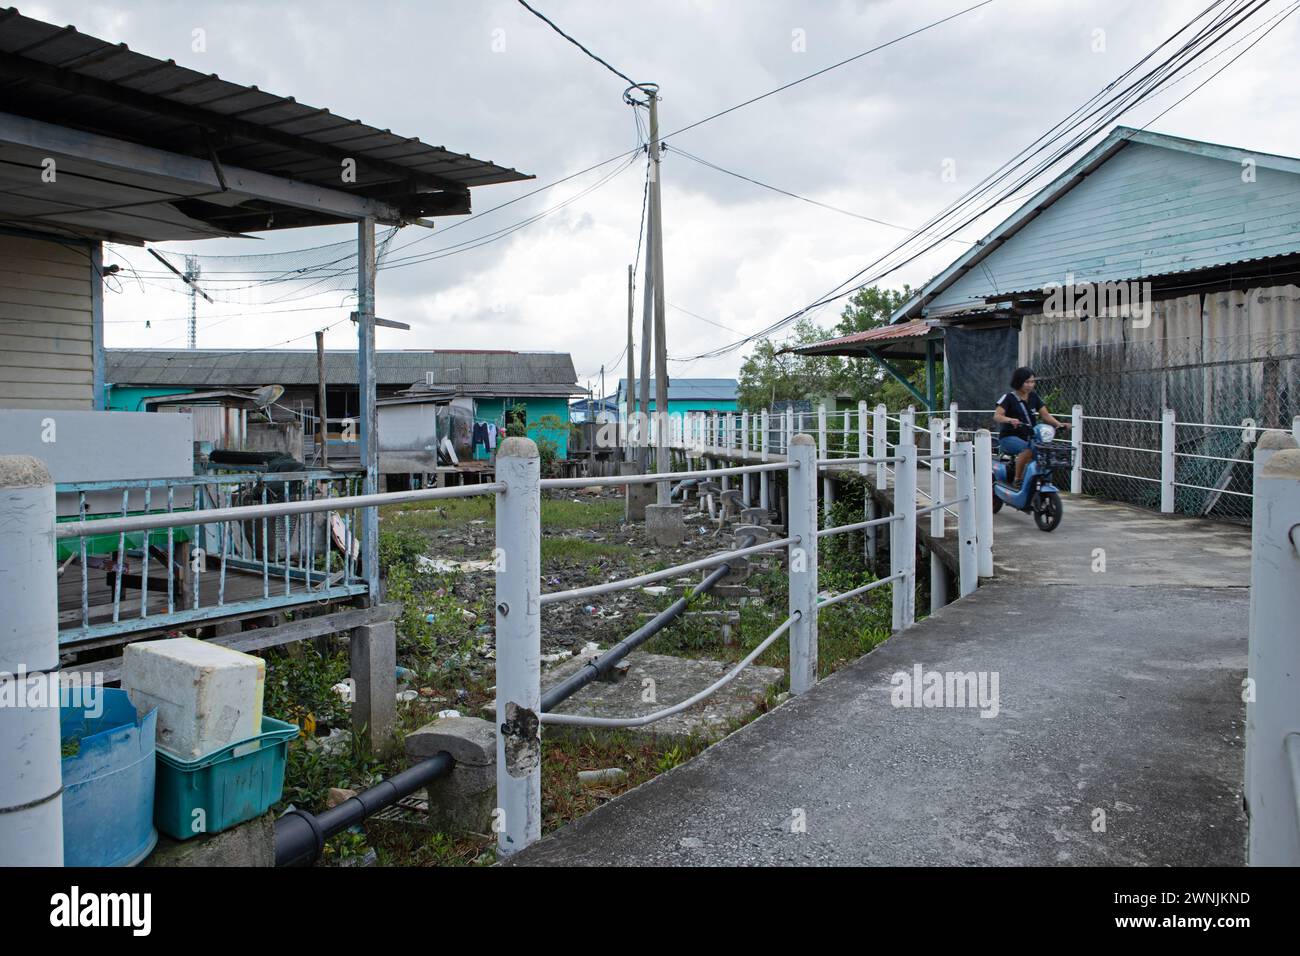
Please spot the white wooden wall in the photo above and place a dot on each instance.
(46, 325)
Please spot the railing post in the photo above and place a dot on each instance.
(967, 534)
(1167, 462)
(31, 811)
(824, 451)
(983, 462)
(519, 646)
(938, 574)
(863, 450)
(744, 457)
(803, 563)
(789, 431)
(1273, 684)
(952, 426)
(907, 426)
(903, 549)
(880, 446)
(1076, 440)
(764, 498)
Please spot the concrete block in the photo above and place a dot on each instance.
(754, 516)
(463, 800)
(249, 844)
(639, 497)
(208, 696)
(373, 649)
(665, 524)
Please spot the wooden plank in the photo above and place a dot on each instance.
(38, 282)
(42, 392)
(27, 247)
(261, 639)
(44, 313)
(43, 346)
(59, 376)
(60, 300)
(63, 331)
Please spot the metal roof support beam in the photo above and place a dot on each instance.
(901, 378)
(187, 170)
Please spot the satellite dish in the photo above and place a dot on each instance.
(267, 395)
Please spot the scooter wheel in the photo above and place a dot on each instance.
(1047, 514)
(997, 502)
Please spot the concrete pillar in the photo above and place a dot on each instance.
(803, 563)
(967, 533)
(31, 781)
(744, 458)
(519, 647)
(373, 651)
(880, 446)
(984, 502)
(1273, 688)
(463, 800)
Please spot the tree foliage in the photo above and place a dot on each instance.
(769, 374)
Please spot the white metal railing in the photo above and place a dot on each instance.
(843, 437)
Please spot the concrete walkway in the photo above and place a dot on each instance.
(1118, 704)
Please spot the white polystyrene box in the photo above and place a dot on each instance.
(208, 696)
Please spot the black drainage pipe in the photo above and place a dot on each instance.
(300, 836)
(600, 666)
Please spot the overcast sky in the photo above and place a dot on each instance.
(488, 79)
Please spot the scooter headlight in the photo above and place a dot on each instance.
(1045, 433)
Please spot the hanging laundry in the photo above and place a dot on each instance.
(491, 436)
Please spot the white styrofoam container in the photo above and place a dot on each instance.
(208, 696)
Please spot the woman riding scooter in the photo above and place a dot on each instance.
(1015, 413)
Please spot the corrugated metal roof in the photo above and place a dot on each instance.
(1139, 205)
(691, 389)
(885, 333)
(474, 373)
(61, 76)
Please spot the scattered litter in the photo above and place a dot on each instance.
(658, 590)
(468, 616)
(557, 656)
(426, 691)
(406, 696)
(338, 795)
(444, 565)
(595, 778)
(347, 689)
(338, 741)
(447, 713)
(405, 674)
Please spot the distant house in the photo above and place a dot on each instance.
(688, 395)
(490, 384)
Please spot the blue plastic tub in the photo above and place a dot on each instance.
(108, 785)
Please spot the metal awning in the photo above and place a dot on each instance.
(147, 150)
(906, 340)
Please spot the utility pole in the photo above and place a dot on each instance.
(322, 415)
(631, 364)
(647, 338)
(663, 463)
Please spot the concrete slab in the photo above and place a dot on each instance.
(668, 680)
(1119, 701)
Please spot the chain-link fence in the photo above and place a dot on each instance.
(1223, 392)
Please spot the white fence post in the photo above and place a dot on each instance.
(31, 784)
(764, 497)
(903, 548)
(1076, 439)
(967, 533)
(744, 454)
(1168, 463)
(952, 427)
(803, 563)
(938, 574)
(789, 431)
(984, 501)
(519, 646)
(863, 450)
(880, 446)
(824, 451)
(907, 426)
(1273, 685)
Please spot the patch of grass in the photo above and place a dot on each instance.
(558, 514)
(578, 550)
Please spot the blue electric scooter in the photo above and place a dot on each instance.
(1036, 494)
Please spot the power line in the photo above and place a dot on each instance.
(1142, 89)
(551, 24)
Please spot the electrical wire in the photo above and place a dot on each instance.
(541, 16)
